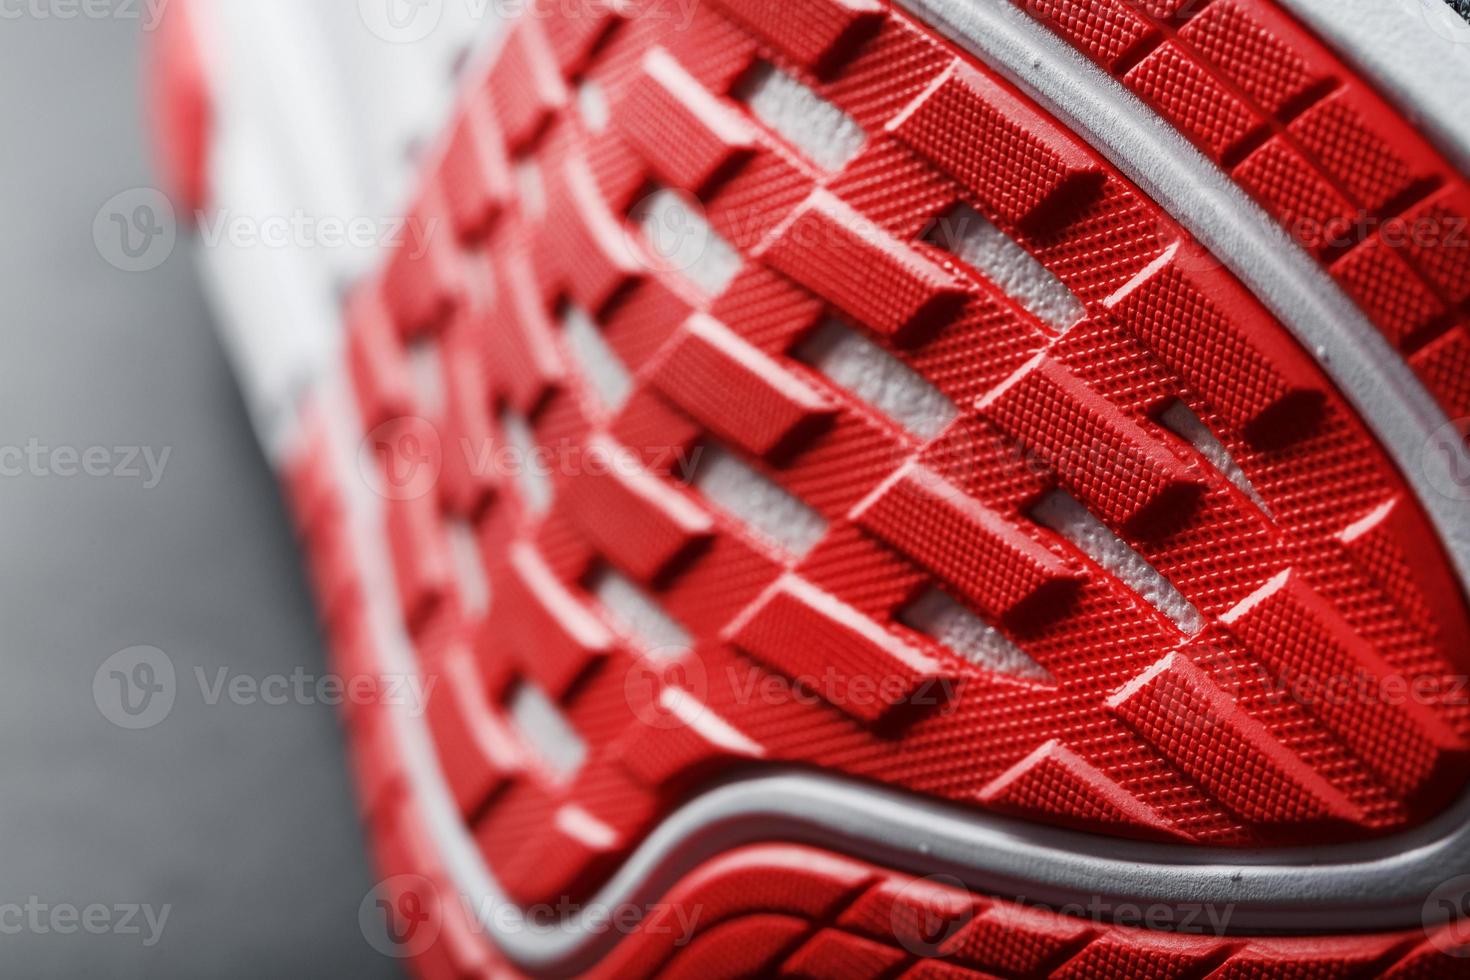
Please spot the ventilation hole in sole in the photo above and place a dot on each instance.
(592, 106)
(530, 188)
(428, 375)
(970, 237)
(1178, 419)
(892, 388)
(943, 619)
(751, 498)
(813, 127)
(1062, 512)
(675, 230)
(527, 463)
(543, 729)
(604, 371)
(639, 616)
(469, 567)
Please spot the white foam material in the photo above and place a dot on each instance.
(874, 375)
(676, 231)
(730, 484)
(937, 615)
(973, 239)
(640, 616)
(545, 730)
(527, 464)
(815, 127)
(530, 187)
(602, 368)
(469, 567)
(592, 106)
(1061, 512)
(428, 376)
(1177, 418)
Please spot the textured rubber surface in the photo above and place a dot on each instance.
(1182, 593)
(1345, 174)
(1147, 725)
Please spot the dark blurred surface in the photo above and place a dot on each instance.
(239, 817)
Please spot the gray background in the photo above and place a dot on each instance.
(239, 817)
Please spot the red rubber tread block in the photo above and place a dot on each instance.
(1388, 289)
(634, 517)
(419, 286)
(575, 33)
(1444, 364)
(1362, 147)
(1301, 637)
(421, 559)
(1194, 100)
(527, 364)
(835, 955)
(1000, 568)
(525, 84)
(877, 280)
(1015, 940)
(694, 741)
(915, 913)
(1177, 709)
(749, 947)
(376, 361)
(817, 34)
(1295, 192)
(1013, 161)
(540, 625)
(592, 256)
(1214, 336)
(1055, 773)
(688, 136)
(737, 391)
(1439, 241)
(477, 751)
(1108, 31)
(475, 175)
(1125, 476)
(800, 631)
(1243, 41)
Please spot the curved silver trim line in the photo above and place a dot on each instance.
(1374, 885)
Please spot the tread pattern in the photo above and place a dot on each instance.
(1141, 729)
(1346, 175)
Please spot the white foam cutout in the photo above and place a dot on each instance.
(675, 230)
(760, 504)
(1178, 419)
(937, 615)
(970, 237)
(530, 188)
(545, 730)
(592, 106)
(1061, 512)
(527, 464)
(817, 129)
(427, 372)
(640, 616)
(604, 371)
(469, 567)
(855, 363)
